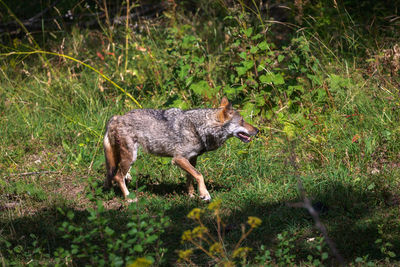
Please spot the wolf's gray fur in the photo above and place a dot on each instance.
(181, 134)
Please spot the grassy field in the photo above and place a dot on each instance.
(328, 110)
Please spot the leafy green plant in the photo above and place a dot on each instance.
(319, 245)
(283, 252)
(96, 242)
(385, 247)
(34, 251)
(273, 81)
(282, 256)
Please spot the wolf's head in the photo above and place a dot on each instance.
(234, 122)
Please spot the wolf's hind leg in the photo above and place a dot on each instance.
(111, 161)
(128, 155)
(134, 151)
(190, 178)
(187, 166)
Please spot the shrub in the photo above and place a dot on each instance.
(94, 241)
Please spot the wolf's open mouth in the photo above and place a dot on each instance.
(243, 137)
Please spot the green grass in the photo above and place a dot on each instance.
(341, 121)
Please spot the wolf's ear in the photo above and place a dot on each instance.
(224, 112)
(225, 103)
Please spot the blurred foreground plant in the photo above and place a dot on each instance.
(214, 247)
(98, 241)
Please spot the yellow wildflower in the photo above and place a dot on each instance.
(187, 235)
(254, 222)
(216, 249)
(195, 213)
(140, 262)
(241, 252)
(185, 254)
(199, 231)
(215, 205)
(228, 264)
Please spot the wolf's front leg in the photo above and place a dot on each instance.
(188, 167)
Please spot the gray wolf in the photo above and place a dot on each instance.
(180, 134)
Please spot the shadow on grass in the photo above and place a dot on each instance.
(351, 217)
(350, 214)
(166, 188)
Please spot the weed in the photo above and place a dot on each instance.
(214, 246)
(95, 241)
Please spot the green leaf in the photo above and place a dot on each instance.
(248, 64)
(266, 78)
(324, 256)
(236, 43)
(184, 71)
(109, 231)
(359, 259)
(138, 248)
(178, 103)
(260, 100)
(241, 70)
(70, 215)
(198, 60)
(200, 87)
(249, 110)
(257, 36)
(241, 152)
(270, 77)
(321, 94)
(370, 187)
(280, 58)
(278, 79)
(263, 45)
(229, 91)
(254, 49)
(315, 79)
(248, 32)
(289, 129)
(65, 146)
(203, 89)
(18, 249)
(240, 88)
(151, 239)
(292, 88)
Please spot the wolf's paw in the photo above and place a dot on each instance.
(131, 200)
(191, 194)
(206, 198)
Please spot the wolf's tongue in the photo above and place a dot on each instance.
(244, 136)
